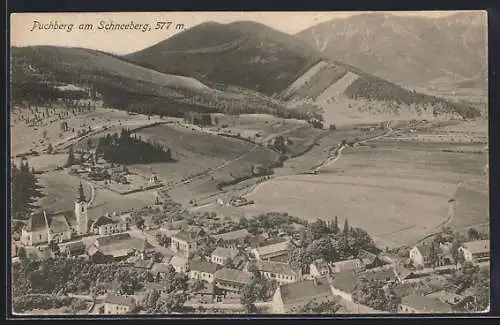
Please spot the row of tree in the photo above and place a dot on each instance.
(25, 190)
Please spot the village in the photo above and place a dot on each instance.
(270, 264)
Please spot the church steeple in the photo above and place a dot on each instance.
(81, 194)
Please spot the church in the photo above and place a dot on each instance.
(42, 228)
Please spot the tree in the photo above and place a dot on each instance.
(248, 297)
(168, 303)
(434, 254)
(71, 157)
(320, 307)
(50, 148)
(345, 232)
(319, 229)
(150, 300)
(371, 293)
(336, 227)
(54, 247)
(456, 253)
(359, 239)
(21, 253)
(473, 234)
(25, 189)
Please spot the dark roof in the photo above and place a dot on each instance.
(202, 266)
(276, 268)
(305, 290)
(383, 274)
(111, 239)
(232, 275)
(225, 252)
(186, 236)
(425, 250)
(345, 281)
(36, 222)
(426, 304)
(160, 268)
(144, 264)
(233, 235)
(74, 246)
(104, 220)
(120, 300)
(58, 224)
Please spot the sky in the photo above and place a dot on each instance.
(38, 28)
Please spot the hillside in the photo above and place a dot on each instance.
(245, 54)
(123, 85)
(408, 50)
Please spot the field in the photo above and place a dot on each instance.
(60, 191)
(396, 190)
(24, 137)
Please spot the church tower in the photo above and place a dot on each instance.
(81, 212)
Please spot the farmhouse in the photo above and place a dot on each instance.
(201, 270)
(118, 304)
(281, 272)
(476, 251)
(42, 228)
(184, 242)
(223, 255)
(420, 255)
(344, 283)
(415, 304)
(231, 280)
(290, 298)
(271, 251)
(232, 239)
(107, 225)
(347, 265)
(319, 268)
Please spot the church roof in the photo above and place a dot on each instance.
(36, 222)
(58, 224)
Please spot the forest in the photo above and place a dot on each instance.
(125, 149)
(25, 190)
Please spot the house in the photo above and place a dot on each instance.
(384, 274)
(450, 298)
(281, 272)
(344, 284)
(319, 268)
(179, 263)
(42, 228)
(415, 304)
(107, 225)
(371, 260)
(74, 248)
(476, 251)
(184, 242)
(271, 251)
(223, 255)
(144, 264)
(231, 280)
(161, 270)
(118, 304)
(290, 298)
(347, 265)
(420, 255)
(202, 270)
(232, 239)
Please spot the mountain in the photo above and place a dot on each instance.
(408, 50)
(246, 54)
(37, 70)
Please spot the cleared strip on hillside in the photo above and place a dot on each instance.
(337, 89)
(297, 84)
(320, 82)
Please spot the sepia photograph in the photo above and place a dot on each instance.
(249, 163)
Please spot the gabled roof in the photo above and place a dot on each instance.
(58, 224)
(348, 265)
(36, 221)
(225, 252)
(382, 274)
(202, 266)
(426, 304)
(304, 291)
(345, 281)
(478, 246)
(424, 249)
(232, 275)
(106, 220)
(74, 246)
(273, 248)
(144, 264)
(233, 235)
(276, 268)
(121, 300)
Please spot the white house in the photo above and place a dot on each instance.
(355, 264)
(180, 264)
(281, 272)
(420, 255)
(476, 251)
(222, 255)
(118, 304)
(201, 270)
(107, 225)
(271, 251)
